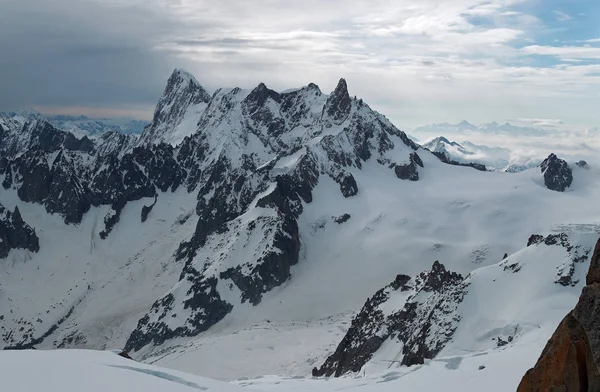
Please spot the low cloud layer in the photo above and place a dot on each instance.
(415, 61)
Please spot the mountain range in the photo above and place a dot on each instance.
(79, 125)
(494, 158)
(493, 128)
(253, 232)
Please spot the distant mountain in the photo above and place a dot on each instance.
(494, 158)
(489, 128)
(79, 126)
(85, 126)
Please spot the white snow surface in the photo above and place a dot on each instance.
(94, 371)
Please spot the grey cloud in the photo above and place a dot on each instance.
(108, 53)
(79, 53)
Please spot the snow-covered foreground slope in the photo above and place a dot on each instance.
(497, 371)
(93, 371)
(97, 371)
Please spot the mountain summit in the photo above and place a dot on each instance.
(182, 95)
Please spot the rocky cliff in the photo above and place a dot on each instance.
(423, 325)
(558, 176)
(570, 360)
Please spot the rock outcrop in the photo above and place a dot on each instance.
(409, 171)
(444, 158)
(422, 327)
(15, 233)
(558, 176)
(570, 361)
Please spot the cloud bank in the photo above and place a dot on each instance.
(417, 61)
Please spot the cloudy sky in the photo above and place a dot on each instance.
(416, 61)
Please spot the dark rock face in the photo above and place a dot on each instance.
(125, 355)
(577, 255)
(348, 185)
(424, 325)
(67, 195)
(65, 175)
(341, 219)
(558, 176)
(593, 275)
(15, 233)
(111, 219)
(272, 269)
(339, 104)
(204, 303)
(69, 182)
(444, 158)
(535, 239)
(409, 171)
(570, 361)
(182, 91)
(260, 114)
(583, 164)
(147, 209)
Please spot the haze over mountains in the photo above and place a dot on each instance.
(254, 232)
(502, 147)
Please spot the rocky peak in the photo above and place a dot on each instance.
(182, 92)
(15, 233)
(558, 176)
(259, 96)
(314, 87)
(341, 89)
(570, 361)
(338, 105)
(421, 328)
(180, 79)
(439, 277)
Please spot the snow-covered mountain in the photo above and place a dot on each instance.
(79, 126)
(256, 223)
(493, 128)
(93, 128)
(178, 110)
(494, 158)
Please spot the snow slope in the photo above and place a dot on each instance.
(464, 218)
(93, 371)
(101, 285)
